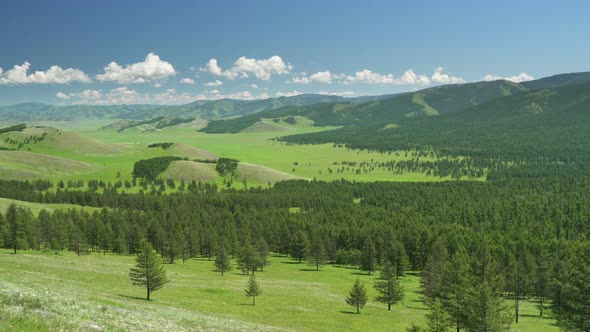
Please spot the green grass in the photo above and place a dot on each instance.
(36, 207)
(109, 153)
(63, 291)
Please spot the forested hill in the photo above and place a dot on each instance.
(428, 102)
(548, 126)
(205, 109)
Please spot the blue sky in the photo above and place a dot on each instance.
(170, 52)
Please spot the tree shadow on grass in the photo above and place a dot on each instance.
(291, 262)
(309, 270)
(348, 312)
(132, 297)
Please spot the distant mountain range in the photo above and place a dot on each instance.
(204, 109)
(433, 101)
(228, 115)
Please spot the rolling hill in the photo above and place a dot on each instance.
(433, 101)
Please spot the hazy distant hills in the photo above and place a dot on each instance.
(233, 116)
(205, 109)
(424, 103)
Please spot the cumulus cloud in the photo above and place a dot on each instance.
(55, 74)
(151, 69)
(522, 77)
(62, 95)
(439, 77)
(409, 77)
(244, 67)
(324, 77)
(187, 81)
(254, 86)
(289, 93)
(125, 95)
(215, 83)
(340, 94)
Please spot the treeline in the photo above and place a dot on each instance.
(510, 241)
(150, 169)
(164, 146)
(18, 127)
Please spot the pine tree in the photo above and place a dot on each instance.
(388, 286)
(248, 259)
(222, 261)
(438, 319)
(148, 271)
(15, 227)
(485, 309)
(253, 289)
(299, 246)
(368, 261)
(575, 307)
(357, 296)
(432, 275)
(455, 284)
(317, 252)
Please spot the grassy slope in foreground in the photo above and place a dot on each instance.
(94, 291)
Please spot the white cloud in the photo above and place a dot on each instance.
(124, 95)
(439, 77)
(522, 77)
(216, 83)
(289, 93)
(254, 86)
(55, 74)
(62, 95)
(187, 81)
(324, 77)
(411, 78)
(341, 94)
(151, 69)
(408, 78)
(243, 67)
(368, 77)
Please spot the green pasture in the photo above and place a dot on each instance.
(41, 290)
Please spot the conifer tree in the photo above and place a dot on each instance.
(575, 307)
(253, 289)
(438, 319)
(299, 246)
(222, 261)
(148, 270)
(388, 286)
(368, 260)
(357, 297)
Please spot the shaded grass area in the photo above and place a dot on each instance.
(94, 292)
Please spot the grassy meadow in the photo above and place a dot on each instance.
(85, 151)
(61, 291)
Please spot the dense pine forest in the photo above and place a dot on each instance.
(475, 243)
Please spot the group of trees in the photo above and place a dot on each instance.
(535, 234)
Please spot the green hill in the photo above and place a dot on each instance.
(546, 127)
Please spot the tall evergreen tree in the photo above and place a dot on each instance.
(299, 246)
(317, 252)
(222, 261)
(388, 286)
(368, 256)
(432, 275)
(357, 297)
(15, 227)
(455, 285)
(253, 289)
(148, 270)
(575, 307)
(438, 319)
(485, 309)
